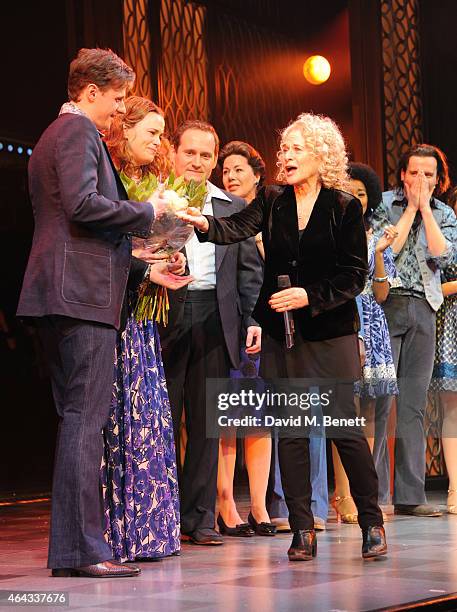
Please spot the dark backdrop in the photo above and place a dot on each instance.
(38, 39)
(439, 76)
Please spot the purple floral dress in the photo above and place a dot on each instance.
(139, 471)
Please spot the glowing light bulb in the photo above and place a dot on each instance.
(316, 69)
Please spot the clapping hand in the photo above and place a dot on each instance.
(389, 235)
(419, 192)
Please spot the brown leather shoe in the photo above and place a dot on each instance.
(104, 569)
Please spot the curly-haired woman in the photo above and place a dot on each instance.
(313, 232)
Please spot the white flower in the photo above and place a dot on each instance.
(176, 201)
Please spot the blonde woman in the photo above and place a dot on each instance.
(313, 231)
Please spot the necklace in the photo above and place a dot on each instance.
(305, 205)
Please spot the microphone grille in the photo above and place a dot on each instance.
(283, 281)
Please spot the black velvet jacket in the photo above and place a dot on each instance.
(329, 261)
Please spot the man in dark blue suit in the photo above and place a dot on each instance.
(74, 287)
(202, 339)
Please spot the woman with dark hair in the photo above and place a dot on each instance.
(312, 232)
(379, 382)
(243, 173)
(141, 487)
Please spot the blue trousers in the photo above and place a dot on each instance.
(80, 356)
(318, 473)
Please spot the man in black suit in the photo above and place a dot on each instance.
(74, 287)
(202, 339)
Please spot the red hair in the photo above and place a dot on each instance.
(136, 109)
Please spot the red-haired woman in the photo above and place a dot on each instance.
(141, 496)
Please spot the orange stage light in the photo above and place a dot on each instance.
(316, 69)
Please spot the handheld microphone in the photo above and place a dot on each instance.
(289, 327)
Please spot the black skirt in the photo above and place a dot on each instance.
(336, 358)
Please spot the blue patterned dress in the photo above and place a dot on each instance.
(379, 376)
(139, 472)
(444, 376)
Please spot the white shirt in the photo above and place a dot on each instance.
(201, 256)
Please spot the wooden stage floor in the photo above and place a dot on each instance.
(250, 574)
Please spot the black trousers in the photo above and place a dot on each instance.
(335, 360)
(194, 352)
(80, 356)
(357, 461)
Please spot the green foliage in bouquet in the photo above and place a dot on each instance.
(142, 190)
(193, 191)
(152, 300)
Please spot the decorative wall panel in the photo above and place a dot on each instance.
(402, 81)
(403, 128)
(182, 67)
(137, 44)
(433, 428)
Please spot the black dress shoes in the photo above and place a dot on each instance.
(243, 530)
(374, 542)
(304, 545)
(203, 536)
(104, 569)
(263, 529)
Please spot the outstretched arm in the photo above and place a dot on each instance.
(227, 230)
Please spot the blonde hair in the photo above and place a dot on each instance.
(323, 139)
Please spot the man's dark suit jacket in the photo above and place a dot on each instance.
(331, 264)
(81, 253)
(238, 281)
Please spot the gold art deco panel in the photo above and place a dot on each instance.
(137, 44)
(433, 428)
(402, 83)
(182, 70)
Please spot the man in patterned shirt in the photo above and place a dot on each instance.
(427, 235)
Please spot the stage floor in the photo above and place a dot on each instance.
(249, 574)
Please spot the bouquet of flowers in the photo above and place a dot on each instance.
(168, 232)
